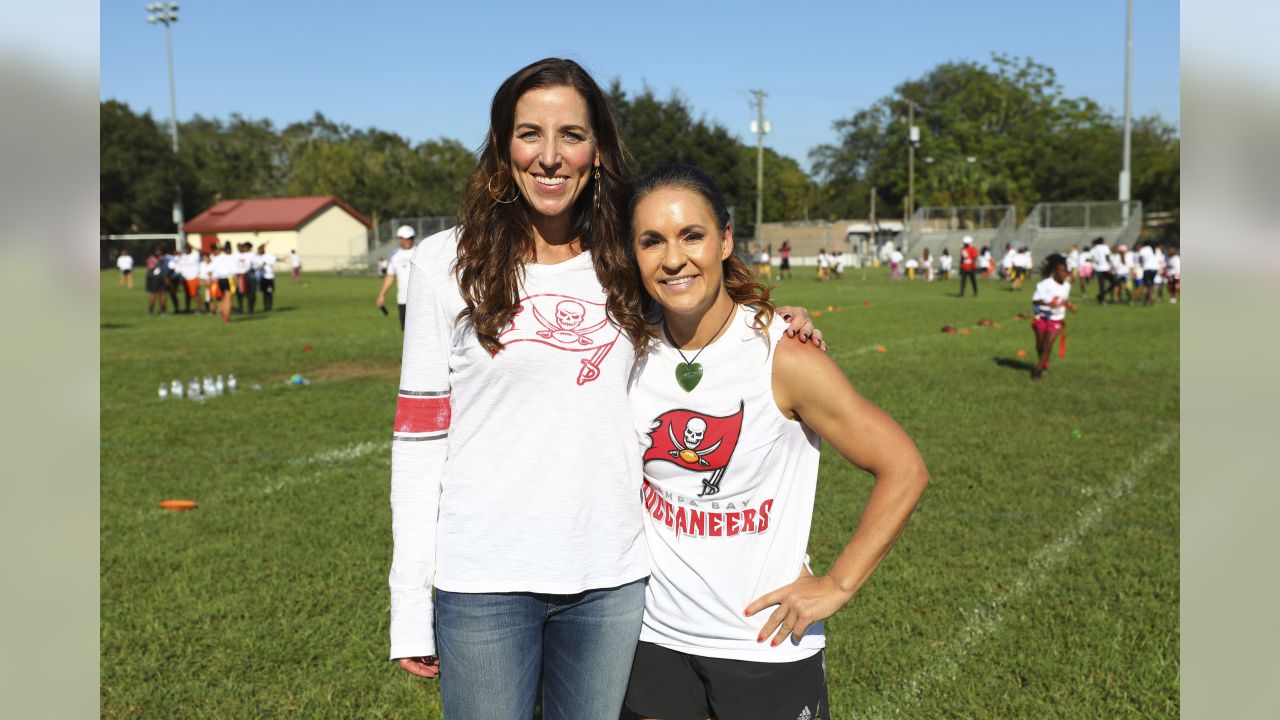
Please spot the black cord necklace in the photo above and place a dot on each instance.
(689, 372)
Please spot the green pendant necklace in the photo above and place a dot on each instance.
(689, 372)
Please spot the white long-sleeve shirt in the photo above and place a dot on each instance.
(517, 472)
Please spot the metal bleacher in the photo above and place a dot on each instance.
(1049, 227)
(935, 228)
(1055, 226)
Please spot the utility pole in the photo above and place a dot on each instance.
(760, 127)
(1128, 117)
(166, 14)
(874, 227)
(913, 137)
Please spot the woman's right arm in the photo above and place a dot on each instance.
(418, 451)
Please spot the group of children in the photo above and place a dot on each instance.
(209, 278)
(1143, 275)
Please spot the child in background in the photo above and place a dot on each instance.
(926, 266)
(1050, 305)
(823, 264)
(206, 279)
(1173, 272)
(944, 264)
(912, 265)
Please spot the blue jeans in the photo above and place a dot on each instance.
(496, 649)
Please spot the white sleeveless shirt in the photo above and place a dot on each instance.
(728, 496)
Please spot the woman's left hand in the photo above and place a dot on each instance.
(801, 325)
(800, 604)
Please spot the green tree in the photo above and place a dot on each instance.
(136, 172)
(1028, 143)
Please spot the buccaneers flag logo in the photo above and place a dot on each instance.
(696, 442)
(565, 323)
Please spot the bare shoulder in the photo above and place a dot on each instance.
(793, 357)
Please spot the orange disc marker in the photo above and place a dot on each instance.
(964, 331)
(816, 313)
(1022, 353)
(881, 348)
(178, 504)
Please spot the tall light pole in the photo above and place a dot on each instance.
(913, 139)
(167, 14)
(760, 127)
(1128, 116)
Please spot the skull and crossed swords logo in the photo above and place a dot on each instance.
(695, 430)
(569, 315)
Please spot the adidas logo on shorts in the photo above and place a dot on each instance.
(805, 714)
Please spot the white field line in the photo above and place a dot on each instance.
(309, 474)
(872, 348)
(986, 619)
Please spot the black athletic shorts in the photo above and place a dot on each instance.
(224, 284)
(677, 686)
(155, 282)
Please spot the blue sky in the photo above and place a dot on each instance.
(428, 70)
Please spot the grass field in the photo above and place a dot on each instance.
(1037, 579)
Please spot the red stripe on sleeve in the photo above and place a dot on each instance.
(422, 414)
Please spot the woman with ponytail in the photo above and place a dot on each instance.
(728, 414)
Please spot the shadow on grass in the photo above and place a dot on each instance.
(1014, 364)
(113, 326)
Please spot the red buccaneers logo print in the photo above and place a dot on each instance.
(565, 323)
(696, 442)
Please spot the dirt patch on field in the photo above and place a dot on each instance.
(356, 371)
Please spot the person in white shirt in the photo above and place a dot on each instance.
(1100, 255)
(1073, 262)
(1050, 304)
(295, 266)
(266, 264)
(1149, 260)
(837, 264)
(1173, 272)
(985, 262)
(398, 273)
(223, 269)
(1007, 262)
(926, 265)
(125, 263)
(824, 265)
(189, 270)
(206, 282)
(1121, 283)
(944, 263)
(1022, 264)
(519, 562)
(912, 265)
(246, 281)
(733, 616)
(895, 264)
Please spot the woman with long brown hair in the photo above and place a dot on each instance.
(729, 415)
(514, 467)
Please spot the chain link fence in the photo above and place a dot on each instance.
(1056, 226)
(938, 227)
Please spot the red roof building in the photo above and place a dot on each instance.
(323, 229)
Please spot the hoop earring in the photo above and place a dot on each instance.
(489, 186)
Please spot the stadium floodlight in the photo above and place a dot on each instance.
(167, 15)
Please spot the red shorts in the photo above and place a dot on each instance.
(1045, 325)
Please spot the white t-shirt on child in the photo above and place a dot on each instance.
(1049, 299)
